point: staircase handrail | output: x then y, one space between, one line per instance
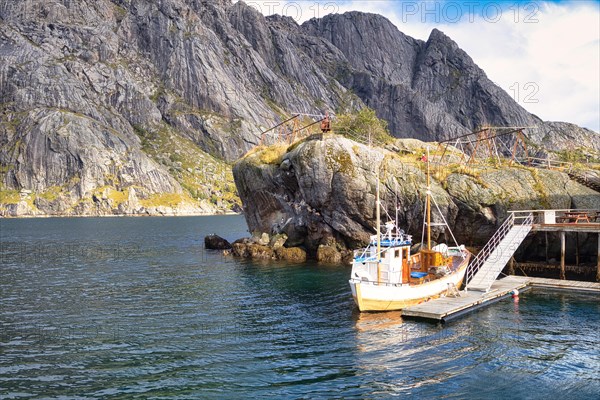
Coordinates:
484 253
516 240
493 243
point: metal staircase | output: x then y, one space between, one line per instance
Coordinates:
492 259
588 180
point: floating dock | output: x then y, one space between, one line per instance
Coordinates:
448 308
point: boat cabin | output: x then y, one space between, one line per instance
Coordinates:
387 262
390 261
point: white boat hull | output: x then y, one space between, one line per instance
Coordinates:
370 296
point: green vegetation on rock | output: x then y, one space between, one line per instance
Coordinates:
200 174
165 200
363 123
270 155
51 194
9 196
578 155
117 197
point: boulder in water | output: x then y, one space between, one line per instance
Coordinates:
216 242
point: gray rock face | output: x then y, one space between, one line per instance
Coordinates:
326 192
86 85
216 242
427 90
323 192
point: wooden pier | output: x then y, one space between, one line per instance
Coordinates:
483 289
572 286
568 221
447 308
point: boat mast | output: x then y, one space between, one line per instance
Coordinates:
377 212
428 204
396 194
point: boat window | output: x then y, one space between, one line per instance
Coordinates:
397 253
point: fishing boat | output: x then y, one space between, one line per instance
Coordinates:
386 276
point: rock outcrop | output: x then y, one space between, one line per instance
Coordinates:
216 242
322 193
267 247
136 107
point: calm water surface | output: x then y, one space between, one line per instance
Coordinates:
136 308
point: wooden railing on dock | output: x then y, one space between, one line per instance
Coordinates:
564 216
564 221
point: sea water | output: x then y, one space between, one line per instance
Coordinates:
116 308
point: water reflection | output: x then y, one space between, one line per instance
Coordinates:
369 322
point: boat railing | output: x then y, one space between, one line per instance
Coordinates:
385 242
400 239
364 256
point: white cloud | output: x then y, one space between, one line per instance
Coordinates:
545 55
550 67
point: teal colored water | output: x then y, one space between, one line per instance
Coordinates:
136 308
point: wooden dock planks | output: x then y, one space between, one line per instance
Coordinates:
446 308
563 227
576 286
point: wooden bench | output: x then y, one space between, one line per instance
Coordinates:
577 217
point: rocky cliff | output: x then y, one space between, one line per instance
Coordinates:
137 106
322 192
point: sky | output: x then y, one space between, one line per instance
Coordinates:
545 54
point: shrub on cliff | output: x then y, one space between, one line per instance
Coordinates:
365 124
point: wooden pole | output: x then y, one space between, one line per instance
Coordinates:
546 235
280 124
562 255
598 267
577 248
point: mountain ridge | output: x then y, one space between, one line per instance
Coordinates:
106 106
